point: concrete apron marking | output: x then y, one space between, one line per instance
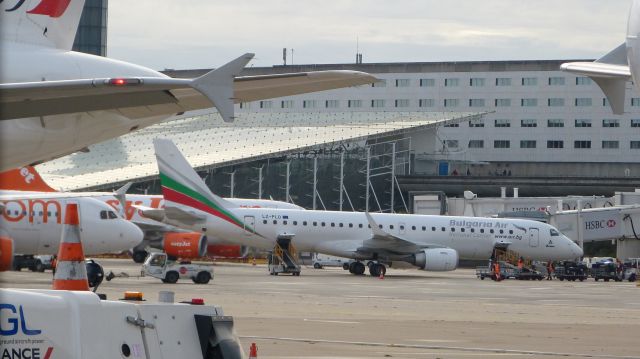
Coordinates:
330 321
440 347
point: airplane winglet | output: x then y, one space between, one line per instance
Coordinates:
121 195
377 232
217 85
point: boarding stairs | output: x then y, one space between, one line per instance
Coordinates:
284 258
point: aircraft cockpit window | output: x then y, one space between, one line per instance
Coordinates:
554 233
112 215
104 215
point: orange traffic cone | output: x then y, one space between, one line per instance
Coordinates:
254 261
71 273
253 351
381 274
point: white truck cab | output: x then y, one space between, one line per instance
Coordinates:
158 265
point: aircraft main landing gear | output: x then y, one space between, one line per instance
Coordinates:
376 268
356 268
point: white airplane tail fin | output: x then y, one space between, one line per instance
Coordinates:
182 185
50 23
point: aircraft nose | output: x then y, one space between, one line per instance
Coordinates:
575 248
132 235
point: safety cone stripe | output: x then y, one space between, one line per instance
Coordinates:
71 215
70 252
71 284
71 270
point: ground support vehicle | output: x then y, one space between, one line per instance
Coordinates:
323 260
571 271
528 274
507 271
78 325
158 265
606 272
33 263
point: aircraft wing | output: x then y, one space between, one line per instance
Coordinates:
138 97
170 215
611 72
382 241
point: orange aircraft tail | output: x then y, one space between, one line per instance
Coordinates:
24 179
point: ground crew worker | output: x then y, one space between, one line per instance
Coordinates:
54 263
520 263
549 270
496 271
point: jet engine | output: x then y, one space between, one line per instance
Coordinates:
436 259
6 252
184 244
227 251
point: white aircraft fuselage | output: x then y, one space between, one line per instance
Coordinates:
340 233
34 220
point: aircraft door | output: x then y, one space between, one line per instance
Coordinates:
534 237
402 228
249 225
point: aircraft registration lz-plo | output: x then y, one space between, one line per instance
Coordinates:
54 101
427 242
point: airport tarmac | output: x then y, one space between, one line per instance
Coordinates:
329 313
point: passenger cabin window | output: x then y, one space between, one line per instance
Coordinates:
295 223
380 226
315 224
322 224
304 223
402 228
511 231
340 225
491 231
264 221
413 228
333 224
443 229
481 230
275 221
390 226
350 225
554 233
462 230
453 229
284 222
360 225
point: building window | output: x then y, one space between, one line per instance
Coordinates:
583 101
427 82
610 144
635 101
503 81
402 82
455 124
266 104
581 144
555 123
529 123
555 144
605 102
610 123
451 82
556 81
452 143
555 102
402 103
635 145
245 105
354 103
451 102
501 144
331 103
426 102
476 143
502 123
286 104
476 123
583 123
527 144
529 81
503 102
309 104
583 81
476 102
377 103
476 82
529 102
381 83
635 123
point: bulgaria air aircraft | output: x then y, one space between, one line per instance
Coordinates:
612 71
428 242
54 101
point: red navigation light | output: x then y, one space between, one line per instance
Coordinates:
124 82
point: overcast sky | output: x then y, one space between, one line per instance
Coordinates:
182 34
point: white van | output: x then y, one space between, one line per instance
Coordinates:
324 260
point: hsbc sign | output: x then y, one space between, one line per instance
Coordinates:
601 225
